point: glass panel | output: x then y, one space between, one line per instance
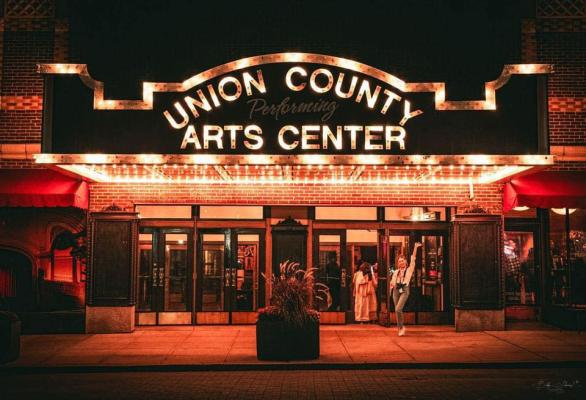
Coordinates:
415 214
213 268
145 282
329 273
430 277
246 267
521 275
398 246
162 211
362 246
346 213
578 256
176 267
230 212
558 250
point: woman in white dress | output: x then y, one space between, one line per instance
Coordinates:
361 302
372 285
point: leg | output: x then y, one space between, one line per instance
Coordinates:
402 299
398 312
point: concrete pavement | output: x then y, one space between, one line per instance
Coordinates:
349 345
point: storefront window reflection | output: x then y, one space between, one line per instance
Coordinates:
578 256
330 270
567 247
521 274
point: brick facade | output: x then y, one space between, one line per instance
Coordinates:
29 35
559 38
126 195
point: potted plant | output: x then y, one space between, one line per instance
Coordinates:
289 328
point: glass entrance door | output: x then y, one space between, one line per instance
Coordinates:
428 302
331 262
165 283
231 287
522 270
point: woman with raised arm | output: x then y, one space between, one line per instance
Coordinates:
400 285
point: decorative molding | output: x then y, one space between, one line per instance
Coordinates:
438 88
289 221
560 9
113 208
29 8
301 159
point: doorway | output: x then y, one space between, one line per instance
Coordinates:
165 276
429 302
522 270
16 285
231 286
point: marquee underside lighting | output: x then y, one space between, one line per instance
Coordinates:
303 169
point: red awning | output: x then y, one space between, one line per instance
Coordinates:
547 189
41 188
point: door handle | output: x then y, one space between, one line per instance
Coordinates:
155 276
233 277
161 277
227 275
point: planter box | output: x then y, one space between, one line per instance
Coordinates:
276 341
9 337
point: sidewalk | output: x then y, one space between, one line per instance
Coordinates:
341 347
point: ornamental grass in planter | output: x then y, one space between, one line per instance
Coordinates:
289 328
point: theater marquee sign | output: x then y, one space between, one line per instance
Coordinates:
288 104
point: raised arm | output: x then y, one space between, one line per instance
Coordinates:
414 255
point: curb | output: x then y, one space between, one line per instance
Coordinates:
24 370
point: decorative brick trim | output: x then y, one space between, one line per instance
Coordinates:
560 8
29 8
569 153
19 151
567 104
28 25
561 25
13 103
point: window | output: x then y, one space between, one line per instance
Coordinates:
163 211
346 213
230 212
521 271
567 250
415 214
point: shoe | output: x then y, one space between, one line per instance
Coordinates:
402 331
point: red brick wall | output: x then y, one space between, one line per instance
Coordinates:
559 38
126 195
29 34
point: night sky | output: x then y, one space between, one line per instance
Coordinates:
465 42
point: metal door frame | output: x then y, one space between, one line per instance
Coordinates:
447 313
230 258
158 263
